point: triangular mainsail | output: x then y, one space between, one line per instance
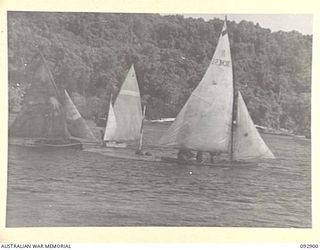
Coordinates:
248 143
127 109
204 123
42 114
77 126
111 125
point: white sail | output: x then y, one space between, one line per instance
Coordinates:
110 126
204 123
248 144
77 126
127 109
72 112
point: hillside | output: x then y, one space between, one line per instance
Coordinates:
91 53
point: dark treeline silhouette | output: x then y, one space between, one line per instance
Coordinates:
91 53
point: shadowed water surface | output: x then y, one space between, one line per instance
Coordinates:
77 188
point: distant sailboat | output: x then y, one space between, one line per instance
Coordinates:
111 124
205 123
48 116
125 117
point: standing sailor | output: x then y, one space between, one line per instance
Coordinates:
199 156
185 155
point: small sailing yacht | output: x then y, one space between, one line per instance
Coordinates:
205 123
48 117
125 117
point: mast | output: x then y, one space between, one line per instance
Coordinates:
141 130
59 97
233 101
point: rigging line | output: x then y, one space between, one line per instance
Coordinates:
50 75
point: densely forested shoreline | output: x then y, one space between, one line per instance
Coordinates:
91 53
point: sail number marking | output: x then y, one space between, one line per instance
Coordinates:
220 62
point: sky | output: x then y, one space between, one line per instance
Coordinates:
275 22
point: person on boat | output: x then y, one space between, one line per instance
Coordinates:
139 152
214 156
102 136
199 156
185 155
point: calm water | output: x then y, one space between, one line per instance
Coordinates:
76 188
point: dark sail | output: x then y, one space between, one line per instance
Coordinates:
42 114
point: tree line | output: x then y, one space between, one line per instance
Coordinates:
90 54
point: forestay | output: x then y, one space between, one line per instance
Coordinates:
127 109
204 123
248 144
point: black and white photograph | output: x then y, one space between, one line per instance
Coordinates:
159 120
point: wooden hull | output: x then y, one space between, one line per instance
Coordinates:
123 153
129 154
70 144
60 146
216 164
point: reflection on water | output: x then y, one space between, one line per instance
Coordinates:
76 188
